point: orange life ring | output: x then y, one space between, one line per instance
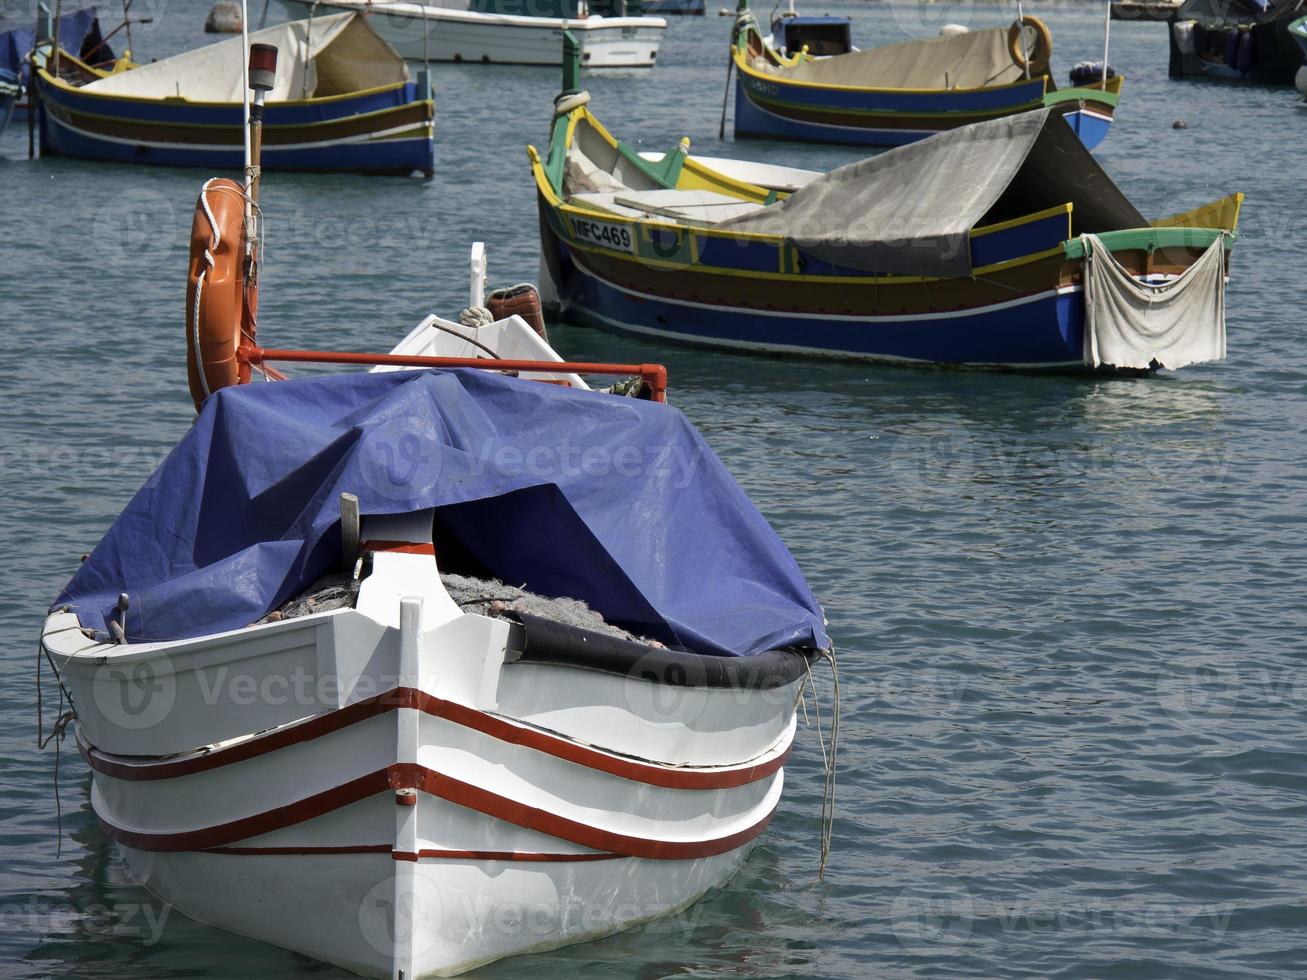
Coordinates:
1039 54
220 310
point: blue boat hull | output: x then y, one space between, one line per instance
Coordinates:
1044 331
766 109
389 131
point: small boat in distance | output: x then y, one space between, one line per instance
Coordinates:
1298 31
1236 40
1001 244
78 31
507 32
344 103
900 93
678 8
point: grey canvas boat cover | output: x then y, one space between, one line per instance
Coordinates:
972 60
910 211
336 54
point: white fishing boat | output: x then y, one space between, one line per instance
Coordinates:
316 716
491 32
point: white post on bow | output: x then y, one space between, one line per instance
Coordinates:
1107 34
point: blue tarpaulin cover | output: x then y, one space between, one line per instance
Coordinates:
614 501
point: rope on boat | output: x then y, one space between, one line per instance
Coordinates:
57 731
475 316
827 757
566 103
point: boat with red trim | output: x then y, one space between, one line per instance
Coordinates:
316 715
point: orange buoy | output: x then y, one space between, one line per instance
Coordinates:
522 300
1038 55
220 310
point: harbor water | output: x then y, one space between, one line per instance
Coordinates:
1070 612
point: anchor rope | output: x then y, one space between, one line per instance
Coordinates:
828 757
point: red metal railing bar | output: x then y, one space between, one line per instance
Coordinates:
655 375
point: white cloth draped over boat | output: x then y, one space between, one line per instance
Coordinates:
911 210
1131 324
975 59
330 55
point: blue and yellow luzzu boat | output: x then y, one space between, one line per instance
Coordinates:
900 93
343 102
972 248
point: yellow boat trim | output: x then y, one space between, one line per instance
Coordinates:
49 79
745 67
278 126
1223 214
679 266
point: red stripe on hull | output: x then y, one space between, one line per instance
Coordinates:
422 855
411 776
492 725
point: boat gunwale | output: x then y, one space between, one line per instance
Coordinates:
179 101
742 64
560 143
386 7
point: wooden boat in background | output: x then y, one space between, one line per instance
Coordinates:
966 249
506 32
900 93
344 103
78 31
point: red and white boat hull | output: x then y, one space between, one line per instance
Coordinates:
447 800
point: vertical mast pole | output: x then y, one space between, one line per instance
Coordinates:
1107 33
245 98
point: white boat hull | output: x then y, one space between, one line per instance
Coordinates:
398 789
433 33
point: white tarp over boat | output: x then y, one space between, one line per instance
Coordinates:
329 55
910 210
972 60
1131 324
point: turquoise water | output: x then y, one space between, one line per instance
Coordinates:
1070 612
